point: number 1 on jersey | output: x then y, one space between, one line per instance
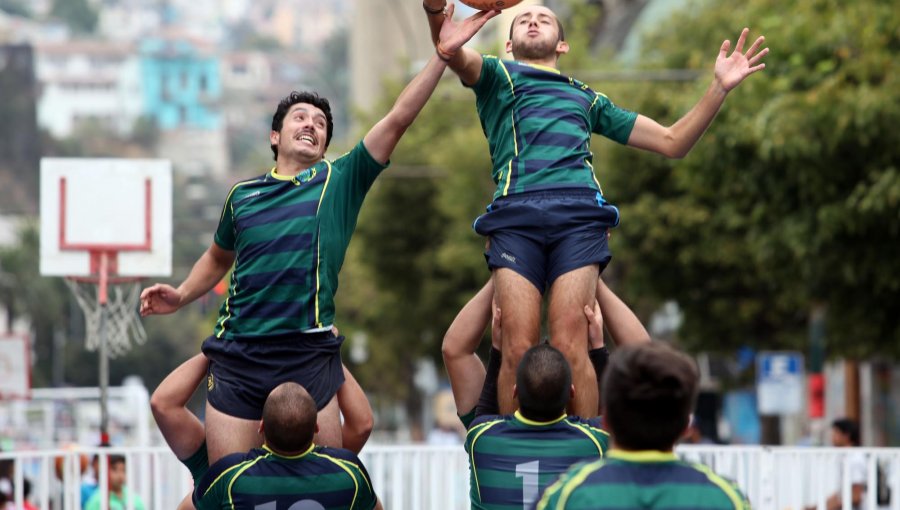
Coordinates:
528 472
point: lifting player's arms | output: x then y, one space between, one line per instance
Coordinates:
539 123
286 232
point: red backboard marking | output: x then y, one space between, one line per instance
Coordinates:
65 245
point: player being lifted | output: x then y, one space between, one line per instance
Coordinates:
546 227
286 233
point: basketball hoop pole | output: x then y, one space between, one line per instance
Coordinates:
102 299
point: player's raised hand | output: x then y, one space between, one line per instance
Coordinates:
455 34
595 325
160 299
731 70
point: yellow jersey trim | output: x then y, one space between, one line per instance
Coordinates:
484 428
342 466
304 454
278 177
526 421
584 430
643 455
236 475
541 67
319 241
722 484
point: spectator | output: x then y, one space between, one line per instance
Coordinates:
118 493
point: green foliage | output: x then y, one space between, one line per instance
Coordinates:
789 201
26 293
792 196
78 14
414 260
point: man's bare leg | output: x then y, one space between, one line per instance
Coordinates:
569 295
329 421
227 434
521 323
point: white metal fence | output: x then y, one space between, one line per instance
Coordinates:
419 477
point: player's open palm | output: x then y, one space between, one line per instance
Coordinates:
455 34
732 69
160 299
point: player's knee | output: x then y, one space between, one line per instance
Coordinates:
571 348
512 354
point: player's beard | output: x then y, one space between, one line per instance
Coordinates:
534 49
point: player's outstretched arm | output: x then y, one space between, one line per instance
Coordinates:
209 269
181 429
383 137
623 325
730 70
467 62
464 368
358 419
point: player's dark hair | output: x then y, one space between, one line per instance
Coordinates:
559 26
543 381
116 459
849 428
301 97
289 418
648 394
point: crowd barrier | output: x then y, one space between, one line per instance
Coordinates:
420 477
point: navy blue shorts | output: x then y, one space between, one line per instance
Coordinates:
241 374
544 234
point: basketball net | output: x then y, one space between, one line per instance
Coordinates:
123 324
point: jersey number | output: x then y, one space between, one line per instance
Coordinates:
528 472
303 504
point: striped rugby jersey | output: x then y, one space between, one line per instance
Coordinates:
511 458
538 123
290 235
643 479
321 477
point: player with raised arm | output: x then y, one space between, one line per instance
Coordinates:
546 227
649 391
286 234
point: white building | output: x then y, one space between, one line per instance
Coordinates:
87 83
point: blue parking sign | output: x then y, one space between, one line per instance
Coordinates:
780 382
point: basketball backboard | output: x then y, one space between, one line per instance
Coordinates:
15 365
119 206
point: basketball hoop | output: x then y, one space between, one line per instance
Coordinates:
105 224
123 325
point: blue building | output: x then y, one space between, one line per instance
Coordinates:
181 85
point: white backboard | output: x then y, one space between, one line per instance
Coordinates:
15 365
119 205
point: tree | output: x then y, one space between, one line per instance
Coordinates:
414 260
791 199
44 301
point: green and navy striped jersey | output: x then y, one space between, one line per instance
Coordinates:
290 235
511 458
644 479
321 477
538 123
